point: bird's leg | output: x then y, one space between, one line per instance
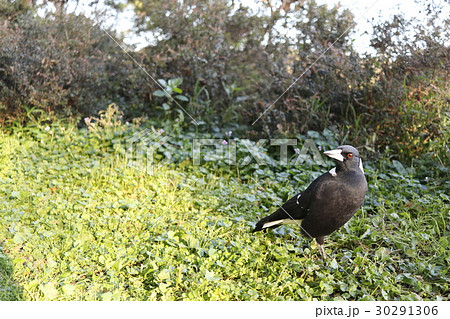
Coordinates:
320 241
322 251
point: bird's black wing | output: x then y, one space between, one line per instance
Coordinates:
296 208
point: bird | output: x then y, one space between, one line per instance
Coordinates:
328 202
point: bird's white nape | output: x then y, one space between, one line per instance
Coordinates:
333 171
361 166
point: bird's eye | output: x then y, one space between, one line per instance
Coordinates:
349 155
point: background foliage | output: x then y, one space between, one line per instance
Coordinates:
235 62
63 64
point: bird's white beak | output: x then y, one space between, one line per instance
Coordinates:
336 154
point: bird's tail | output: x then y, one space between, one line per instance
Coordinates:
280 217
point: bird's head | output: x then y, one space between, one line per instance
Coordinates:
346 158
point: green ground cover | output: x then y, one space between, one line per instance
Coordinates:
79 221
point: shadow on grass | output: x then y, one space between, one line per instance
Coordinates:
9 289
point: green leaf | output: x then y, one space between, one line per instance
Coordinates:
19 238
162 82
49 290
15 194
160 93
107 296
51 263
399 167
382 253
181 98
69 289
164 274
327 287
175 82
334 264
253 294
177 90
444 242
211 276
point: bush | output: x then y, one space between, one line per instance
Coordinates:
419 124
410 96
296 61
214 47
62 64
243 62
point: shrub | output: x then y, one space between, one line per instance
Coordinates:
295 60
410 94
63 64
244 62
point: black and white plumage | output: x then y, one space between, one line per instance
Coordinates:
328 202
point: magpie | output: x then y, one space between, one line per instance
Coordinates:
328 202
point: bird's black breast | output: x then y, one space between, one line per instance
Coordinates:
335 200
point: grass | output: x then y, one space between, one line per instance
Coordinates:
81 222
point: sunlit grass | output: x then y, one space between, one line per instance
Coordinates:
79 222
